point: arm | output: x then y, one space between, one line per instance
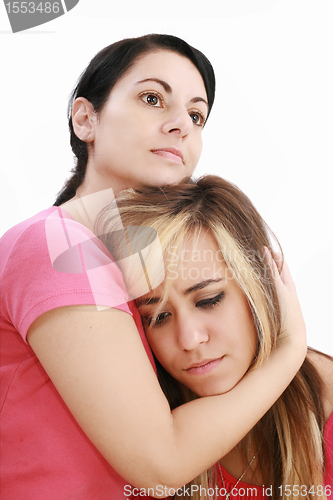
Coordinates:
99 366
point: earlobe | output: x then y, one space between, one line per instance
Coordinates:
84 119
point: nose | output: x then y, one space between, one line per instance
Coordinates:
190 333
178 122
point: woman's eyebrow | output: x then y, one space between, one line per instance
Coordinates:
199 99
201 285
164 84
168 89
147 300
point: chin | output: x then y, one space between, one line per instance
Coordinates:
164 178
213 390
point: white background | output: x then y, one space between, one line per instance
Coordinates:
270 131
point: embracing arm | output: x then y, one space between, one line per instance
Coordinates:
98 364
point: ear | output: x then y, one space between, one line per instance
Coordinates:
84 119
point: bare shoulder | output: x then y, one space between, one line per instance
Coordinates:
324 366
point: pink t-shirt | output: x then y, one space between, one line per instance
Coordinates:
47 262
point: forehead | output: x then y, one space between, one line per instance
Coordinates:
169 66
197 246
198 260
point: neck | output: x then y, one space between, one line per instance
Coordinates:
97 190
236 464
84 208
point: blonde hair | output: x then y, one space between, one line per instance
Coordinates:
289 438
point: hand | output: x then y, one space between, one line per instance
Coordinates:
292 321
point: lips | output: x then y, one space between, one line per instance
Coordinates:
172 154
203 366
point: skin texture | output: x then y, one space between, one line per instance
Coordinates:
198 324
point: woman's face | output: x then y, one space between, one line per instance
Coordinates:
149 131
204 336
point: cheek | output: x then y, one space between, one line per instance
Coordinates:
241 323
196 150
167 354
120 124
251 338
164 350
254 345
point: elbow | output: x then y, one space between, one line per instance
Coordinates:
158 480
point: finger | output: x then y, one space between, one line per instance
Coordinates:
278 258
286 275
272 263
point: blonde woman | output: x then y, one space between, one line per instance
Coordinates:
215 319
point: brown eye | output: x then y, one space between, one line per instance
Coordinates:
197 119
152 99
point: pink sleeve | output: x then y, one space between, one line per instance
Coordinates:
57 262
329 455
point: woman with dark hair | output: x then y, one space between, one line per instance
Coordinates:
103 73
81 405
217 317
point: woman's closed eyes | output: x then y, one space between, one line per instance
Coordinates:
162 317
